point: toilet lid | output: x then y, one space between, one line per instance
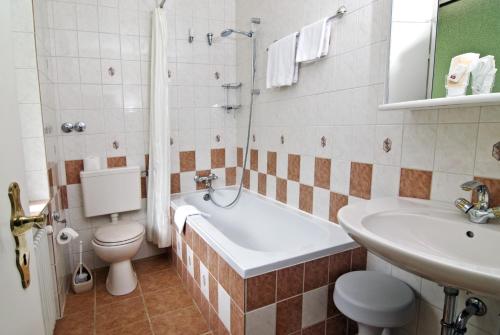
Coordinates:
119 232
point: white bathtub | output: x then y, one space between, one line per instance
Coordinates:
259 235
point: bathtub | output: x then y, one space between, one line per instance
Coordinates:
259 235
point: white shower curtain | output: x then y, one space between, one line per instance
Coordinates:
158 227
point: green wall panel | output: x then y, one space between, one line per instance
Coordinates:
465 26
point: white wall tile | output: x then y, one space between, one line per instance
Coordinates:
314 306
419 142
224 306
261 321
454 149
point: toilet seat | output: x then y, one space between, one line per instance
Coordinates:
118 234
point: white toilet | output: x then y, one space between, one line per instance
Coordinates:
376 301
112 191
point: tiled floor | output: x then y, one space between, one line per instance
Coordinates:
159 306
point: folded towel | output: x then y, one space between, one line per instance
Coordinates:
182 213
314 41
282 70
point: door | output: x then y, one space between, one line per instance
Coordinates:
20 309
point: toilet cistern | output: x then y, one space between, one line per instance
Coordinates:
480 212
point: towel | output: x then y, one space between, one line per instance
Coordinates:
282 70
314 41
483 75
181 215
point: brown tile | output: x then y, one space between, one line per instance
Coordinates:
254 159
337 201
136 328
237 320
144 188
213 292
332 309
358 261
104 298
63 193
218 158
114 162
339 264
120 314
262 187
289 315
360 184
202 250
239 157
213 321
290 281
188 235
494 189
415 184
187 321
224 274
316 273
81 323
271 163
232 282
230 176
202 173
187 161
77 303
306 198
73 169
336 325
293 167
175 183
281 190
246 179
322 171
196 266
159 280
204 307
261 290
317 329
237 289
213 262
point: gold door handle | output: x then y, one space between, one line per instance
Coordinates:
19 225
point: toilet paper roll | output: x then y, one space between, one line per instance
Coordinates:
66 235
91 163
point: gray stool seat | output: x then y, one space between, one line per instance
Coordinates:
374 299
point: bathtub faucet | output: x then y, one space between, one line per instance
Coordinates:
206 180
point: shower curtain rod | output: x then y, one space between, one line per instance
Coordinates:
162 3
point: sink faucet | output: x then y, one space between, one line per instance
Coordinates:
207 180
479 212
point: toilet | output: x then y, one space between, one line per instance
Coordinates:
376 301
110 192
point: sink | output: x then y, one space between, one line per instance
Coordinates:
429 238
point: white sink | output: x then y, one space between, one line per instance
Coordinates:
428 238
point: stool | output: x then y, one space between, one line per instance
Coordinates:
374 300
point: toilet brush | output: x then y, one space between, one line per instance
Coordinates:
81 276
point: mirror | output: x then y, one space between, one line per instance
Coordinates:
427 34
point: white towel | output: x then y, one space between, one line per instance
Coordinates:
314 41
282 70
181 215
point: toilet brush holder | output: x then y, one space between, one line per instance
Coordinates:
85 285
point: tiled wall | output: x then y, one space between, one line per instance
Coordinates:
87 38
291 300
29 100
320 144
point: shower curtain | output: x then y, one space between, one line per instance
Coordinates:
158 227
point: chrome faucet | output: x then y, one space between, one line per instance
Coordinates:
479 212
207 180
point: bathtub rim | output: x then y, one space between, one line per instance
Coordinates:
250 267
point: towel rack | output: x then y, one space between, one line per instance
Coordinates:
340 12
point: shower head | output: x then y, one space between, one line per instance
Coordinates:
227 32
